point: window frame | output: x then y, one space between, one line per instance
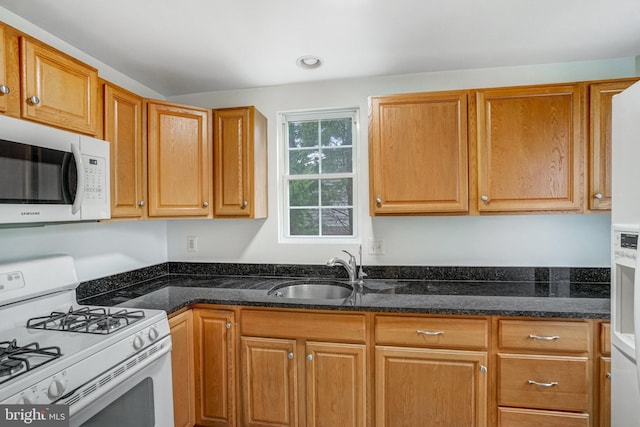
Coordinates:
284 118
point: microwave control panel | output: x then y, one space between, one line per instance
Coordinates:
94 178
625 245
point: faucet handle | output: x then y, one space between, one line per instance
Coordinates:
352 259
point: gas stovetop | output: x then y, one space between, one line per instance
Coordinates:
18 359
87 320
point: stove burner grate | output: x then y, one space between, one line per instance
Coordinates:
87 320
16 360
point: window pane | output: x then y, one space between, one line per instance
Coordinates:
337 192
303 162
303 134
304 222
337 222
336 160
303 192
336 132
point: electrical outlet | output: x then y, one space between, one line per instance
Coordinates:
192 244
376 246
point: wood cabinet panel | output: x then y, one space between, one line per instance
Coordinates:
418 151
9 72
600 97
335 327
269 382
529 148
445 387
544 335
179 160
183 369
432 332
215 367
123 129
240 158
605 338
336 382
604 387
544 382
65 89
510 417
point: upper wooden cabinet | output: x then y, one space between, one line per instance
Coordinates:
179 160
418 159
9 72
123 129
600 97
240 163
57 89
529 148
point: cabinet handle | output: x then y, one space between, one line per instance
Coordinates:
483 369
244 204
551 384
309 357
378 201
4 89
141 203
228 325
430 333
34 100
484 198
205 204
597 196
290 356
537 337
608 375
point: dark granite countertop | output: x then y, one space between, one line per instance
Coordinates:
533 298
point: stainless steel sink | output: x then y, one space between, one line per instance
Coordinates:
312 290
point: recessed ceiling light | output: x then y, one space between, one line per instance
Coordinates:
309 61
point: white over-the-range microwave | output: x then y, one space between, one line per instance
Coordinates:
51 175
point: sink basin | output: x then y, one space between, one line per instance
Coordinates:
312 290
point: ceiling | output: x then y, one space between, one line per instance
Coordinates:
179 47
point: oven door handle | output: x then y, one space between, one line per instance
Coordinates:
87 393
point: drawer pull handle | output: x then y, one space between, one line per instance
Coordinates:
551 384
538 337
430 333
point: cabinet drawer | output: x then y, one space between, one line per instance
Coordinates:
543 382
432 332
307 325
509 417
605 338
528 335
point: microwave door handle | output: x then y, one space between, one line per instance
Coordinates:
77 203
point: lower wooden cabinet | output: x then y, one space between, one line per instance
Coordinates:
182 369
215 350
446 387
509 417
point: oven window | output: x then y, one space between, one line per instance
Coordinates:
36 175
134 408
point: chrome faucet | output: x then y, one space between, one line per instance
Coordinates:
350 266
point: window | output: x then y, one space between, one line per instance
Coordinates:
319 194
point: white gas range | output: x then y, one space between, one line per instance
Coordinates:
99 361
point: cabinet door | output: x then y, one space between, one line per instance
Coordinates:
57 89
336 381
240 156
605 391
179 160
183 370
601 95
529 148
123 129
215 368
418 153
446 387
269 382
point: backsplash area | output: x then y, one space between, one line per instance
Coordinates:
559 281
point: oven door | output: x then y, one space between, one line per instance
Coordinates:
143 399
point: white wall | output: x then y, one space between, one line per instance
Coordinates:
513 240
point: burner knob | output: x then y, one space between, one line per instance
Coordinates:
153 334
138 342
24 400
55 390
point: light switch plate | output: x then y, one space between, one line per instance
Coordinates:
376 246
